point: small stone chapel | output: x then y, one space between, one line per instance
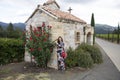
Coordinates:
72 29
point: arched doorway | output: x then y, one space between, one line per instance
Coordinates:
89 38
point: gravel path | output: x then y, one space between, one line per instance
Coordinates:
112 50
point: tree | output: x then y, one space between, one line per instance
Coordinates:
93 25
10 27
1 28
10 31
17 32
1 31
115 31
118 36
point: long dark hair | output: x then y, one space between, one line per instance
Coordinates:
58 40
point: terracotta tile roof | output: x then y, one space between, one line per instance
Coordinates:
63 15
58 13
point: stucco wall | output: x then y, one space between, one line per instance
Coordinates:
38 19
69 34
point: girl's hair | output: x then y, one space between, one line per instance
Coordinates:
58 40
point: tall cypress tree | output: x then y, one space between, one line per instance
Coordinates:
1 31
10 27
93 25
118 36
10 30
1 28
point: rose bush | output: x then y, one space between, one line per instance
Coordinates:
39 45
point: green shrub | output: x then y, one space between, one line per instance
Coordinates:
11 50
84 59
71 59
93 51
96 55
83 56
78 58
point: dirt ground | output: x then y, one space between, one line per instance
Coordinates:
19 71
26 71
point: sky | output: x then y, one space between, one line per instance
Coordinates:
105 11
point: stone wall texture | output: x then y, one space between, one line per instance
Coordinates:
59 28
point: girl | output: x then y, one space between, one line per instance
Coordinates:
60 49
60 45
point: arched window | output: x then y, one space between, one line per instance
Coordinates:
89 37
77 37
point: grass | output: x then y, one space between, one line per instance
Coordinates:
106 35
28 76
110 37
5 71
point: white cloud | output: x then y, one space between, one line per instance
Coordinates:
105 11
17 10
79 1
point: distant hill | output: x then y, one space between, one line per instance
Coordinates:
4 25
103 28
99 28
20 25
16 25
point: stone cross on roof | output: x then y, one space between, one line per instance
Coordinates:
69 9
